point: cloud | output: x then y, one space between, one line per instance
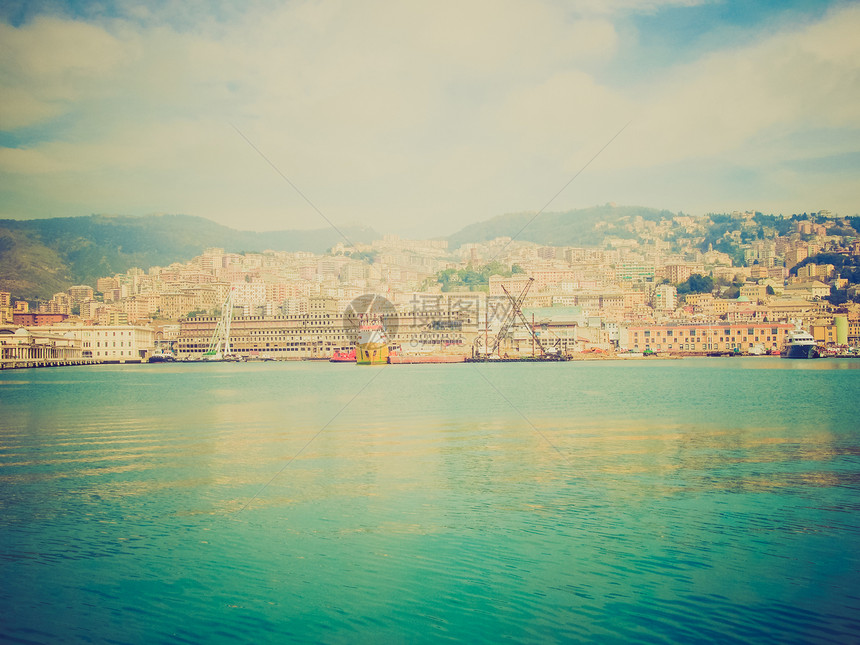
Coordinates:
743 100
416 117
49 65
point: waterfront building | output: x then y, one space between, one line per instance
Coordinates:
824 331
706 337
110 343
26 348
324 329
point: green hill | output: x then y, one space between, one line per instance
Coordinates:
41 257
570 228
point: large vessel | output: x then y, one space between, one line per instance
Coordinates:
800 344
372 348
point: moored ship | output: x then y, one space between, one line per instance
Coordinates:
372 348
162 356
800 344
343 356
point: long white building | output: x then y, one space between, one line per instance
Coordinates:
109 343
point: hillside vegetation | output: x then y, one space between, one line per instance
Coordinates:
582 227
41 257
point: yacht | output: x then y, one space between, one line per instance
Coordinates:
800 344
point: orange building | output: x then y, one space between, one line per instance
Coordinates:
705 338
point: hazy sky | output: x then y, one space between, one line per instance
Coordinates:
421 117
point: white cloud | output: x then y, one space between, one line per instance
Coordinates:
735 101
49 65
383 112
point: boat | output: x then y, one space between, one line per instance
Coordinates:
343 356
162 356
800 344
372 348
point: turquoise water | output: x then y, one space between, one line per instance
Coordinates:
701 500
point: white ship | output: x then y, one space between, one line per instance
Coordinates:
800 344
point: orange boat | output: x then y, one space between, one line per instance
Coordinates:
343 357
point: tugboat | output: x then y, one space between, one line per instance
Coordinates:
800 344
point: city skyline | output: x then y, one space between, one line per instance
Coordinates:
419 120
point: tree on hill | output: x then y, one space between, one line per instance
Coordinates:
847 266
696 283
473 279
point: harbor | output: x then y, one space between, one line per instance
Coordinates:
434 505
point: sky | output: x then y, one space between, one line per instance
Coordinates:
419 118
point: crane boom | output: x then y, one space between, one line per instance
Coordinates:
518 312
512 314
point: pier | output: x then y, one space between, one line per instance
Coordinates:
16 363
22 349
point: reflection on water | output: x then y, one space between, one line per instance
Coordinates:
676 501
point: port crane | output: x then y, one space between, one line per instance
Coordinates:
517 312
219 345
510 316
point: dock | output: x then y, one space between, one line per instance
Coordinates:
21 363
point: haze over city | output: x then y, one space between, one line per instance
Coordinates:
421 118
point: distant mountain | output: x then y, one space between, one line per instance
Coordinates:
570 228
41 257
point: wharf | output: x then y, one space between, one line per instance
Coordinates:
519 359
22 363
407 359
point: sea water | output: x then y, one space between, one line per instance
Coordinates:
698 500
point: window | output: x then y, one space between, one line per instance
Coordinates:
669 333
692 332
750 331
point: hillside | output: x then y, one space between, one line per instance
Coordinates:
28 268
570 228
41 257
